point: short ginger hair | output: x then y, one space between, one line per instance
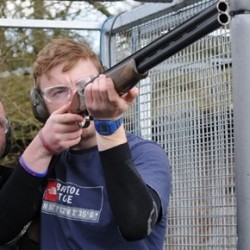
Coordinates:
62 50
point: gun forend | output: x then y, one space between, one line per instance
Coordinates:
125 76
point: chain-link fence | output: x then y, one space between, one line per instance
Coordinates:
185 104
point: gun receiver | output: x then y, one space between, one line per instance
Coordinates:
127 73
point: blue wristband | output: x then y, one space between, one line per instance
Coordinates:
29 170
107 127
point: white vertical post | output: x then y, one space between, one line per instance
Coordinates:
240 31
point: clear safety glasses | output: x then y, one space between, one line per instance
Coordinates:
60 94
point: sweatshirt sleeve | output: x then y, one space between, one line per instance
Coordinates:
128 192
20 199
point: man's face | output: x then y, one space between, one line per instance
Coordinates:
59 80
60 87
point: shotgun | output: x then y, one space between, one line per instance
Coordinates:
127 73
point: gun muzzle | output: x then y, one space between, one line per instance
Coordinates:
223 12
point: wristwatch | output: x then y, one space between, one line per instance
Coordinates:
107 127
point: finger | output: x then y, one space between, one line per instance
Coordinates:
62 110
65 111
69 143
69 118
70 128
130 96
102 88
113 96
62 115
88 97
96 94
93 98
74 135
63 143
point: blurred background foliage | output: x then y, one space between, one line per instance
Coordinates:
19 47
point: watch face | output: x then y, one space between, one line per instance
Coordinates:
107 127
104 127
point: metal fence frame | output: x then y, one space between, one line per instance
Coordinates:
218 217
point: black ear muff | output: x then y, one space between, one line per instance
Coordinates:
8 143
38 106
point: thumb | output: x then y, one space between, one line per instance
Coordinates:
130 96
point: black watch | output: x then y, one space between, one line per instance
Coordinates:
107 127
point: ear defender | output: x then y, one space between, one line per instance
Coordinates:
38 106
8 143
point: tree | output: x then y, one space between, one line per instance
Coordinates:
19 47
